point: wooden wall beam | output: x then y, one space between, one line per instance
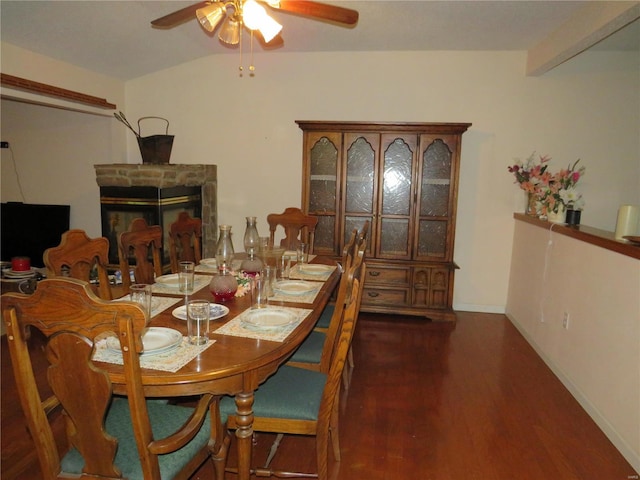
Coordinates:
51 91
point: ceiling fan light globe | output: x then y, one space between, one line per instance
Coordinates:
210 16
230 31
252 14
269 28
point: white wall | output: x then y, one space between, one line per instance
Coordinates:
588 108
53 148
598 356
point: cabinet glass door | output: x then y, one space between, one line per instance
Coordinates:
323 199
360 182
434 210
395 191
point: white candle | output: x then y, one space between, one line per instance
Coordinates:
627 223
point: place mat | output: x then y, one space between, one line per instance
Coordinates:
237 328
305 298
296 274
200 281
169 361
158 304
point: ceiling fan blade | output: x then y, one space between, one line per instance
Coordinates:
332 13
179 16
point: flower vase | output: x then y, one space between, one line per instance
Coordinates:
557 217
530 206
573 216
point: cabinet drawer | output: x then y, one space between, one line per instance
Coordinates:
385 296
387 275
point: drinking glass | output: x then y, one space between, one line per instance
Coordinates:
198 312
259 292
141 293
186 277
303 253
269 274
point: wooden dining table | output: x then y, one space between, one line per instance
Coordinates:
233 365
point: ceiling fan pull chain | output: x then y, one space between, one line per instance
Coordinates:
240 46
252 67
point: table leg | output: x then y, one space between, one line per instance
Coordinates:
244 433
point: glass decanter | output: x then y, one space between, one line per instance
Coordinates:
224 248
223 285
252 264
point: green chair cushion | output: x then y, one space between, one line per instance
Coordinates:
165 419
310 351
325 317
292 393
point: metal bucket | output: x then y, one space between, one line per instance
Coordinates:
155 149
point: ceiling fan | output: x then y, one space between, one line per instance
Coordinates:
234 14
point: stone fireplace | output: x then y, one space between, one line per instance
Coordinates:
159 192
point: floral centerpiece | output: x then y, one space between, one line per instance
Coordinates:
532 176
548 192
560 192
244 283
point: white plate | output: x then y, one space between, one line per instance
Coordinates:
293 287
10 273
268 318
171 280
314 269
209 262
216 311
154 340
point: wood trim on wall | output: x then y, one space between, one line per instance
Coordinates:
51 91
594 236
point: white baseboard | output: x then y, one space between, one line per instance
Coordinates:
466 307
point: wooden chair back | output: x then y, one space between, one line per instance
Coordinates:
77 256
144 242
298 228
185 241
352 273
357 245
72 319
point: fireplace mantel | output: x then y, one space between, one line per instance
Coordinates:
166 176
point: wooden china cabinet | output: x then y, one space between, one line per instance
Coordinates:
403 177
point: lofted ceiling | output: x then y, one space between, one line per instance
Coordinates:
115 37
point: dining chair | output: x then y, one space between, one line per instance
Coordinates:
77 256
298 228
107 436
185 240
144 242
302 402
348 253
316 351
355 247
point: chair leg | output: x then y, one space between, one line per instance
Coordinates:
348 369
322 453
274 449
334 431
220 440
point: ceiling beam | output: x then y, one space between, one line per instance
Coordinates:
588 26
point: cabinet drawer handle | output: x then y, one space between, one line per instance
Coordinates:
374 274
373 294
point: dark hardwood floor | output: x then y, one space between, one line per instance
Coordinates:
441 401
